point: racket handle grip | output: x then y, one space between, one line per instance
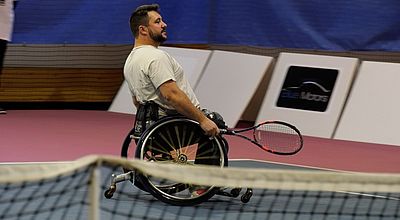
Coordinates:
225 131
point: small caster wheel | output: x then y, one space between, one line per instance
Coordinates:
235 192
246 196
109 193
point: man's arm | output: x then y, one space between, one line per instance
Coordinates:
179 100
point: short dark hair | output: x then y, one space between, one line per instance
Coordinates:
140 17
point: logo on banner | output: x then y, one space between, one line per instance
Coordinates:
307 88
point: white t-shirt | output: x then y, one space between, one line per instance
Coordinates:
6 19
147 68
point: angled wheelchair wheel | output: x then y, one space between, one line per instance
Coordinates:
128 147
179 140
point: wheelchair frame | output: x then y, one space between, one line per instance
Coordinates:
179 140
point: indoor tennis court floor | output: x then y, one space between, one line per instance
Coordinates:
51 136
65 135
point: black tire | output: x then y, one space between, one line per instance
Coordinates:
109 193
126 146
246 196
235 192
182 141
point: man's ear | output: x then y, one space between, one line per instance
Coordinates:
143 30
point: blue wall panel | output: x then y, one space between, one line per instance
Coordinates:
313 24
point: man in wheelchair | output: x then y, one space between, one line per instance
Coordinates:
157 82
153 75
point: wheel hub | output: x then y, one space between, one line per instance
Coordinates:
182 158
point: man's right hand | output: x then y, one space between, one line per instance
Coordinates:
209 127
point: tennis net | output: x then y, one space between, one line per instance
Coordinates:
75 191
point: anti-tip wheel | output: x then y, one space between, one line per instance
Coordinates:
109 193
246 196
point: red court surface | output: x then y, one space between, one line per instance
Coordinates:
64 135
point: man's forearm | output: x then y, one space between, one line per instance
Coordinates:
179 100
184 106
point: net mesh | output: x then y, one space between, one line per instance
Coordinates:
75 191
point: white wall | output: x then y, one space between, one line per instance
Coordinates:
229 82
372 113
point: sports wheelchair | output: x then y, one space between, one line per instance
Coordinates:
176 139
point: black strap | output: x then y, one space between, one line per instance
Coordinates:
146 113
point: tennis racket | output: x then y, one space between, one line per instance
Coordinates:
276 137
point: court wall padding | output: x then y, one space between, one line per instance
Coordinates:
309 91
229 82
372 112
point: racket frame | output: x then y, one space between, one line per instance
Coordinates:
235 132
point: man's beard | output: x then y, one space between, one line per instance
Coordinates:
157 37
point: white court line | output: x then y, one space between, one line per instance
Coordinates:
326 169
295 165
370 195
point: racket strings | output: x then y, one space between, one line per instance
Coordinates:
278 138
